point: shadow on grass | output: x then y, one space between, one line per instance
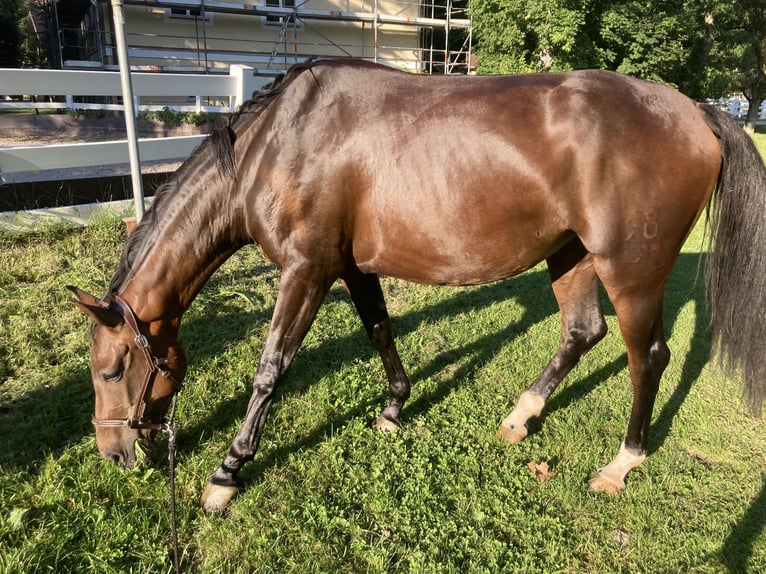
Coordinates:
51 419
532 292
538 305
737 549
683 287
46 421
60 415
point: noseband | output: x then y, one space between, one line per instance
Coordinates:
154 365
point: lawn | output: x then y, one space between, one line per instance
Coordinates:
326 493
760 142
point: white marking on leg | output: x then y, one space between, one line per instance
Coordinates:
216 498
611 478
384 425
514 427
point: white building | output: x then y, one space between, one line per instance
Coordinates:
268 35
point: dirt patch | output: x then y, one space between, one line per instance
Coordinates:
31 129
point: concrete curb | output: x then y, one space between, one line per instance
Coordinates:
18 222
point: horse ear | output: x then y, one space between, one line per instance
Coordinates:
92 307
83 296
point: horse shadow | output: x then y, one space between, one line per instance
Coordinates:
355 346
737 549
685 284
70 401
532 292
46 421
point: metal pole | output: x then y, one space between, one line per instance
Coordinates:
127 100
446 37
375 33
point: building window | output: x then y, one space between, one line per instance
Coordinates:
187 14
273 20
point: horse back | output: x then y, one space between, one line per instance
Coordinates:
469 179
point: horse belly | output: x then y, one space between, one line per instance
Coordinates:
421 255
484 205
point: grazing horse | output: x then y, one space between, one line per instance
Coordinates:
346 170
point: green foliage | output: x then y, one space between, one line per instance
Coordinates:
648 41
653 41
737 58
83 113
174 118
326 494
11 15
516 36
704 48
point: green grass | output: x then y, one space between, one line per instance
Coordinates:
760 142
325 493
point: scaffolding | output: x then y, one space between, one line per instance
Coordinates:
208 36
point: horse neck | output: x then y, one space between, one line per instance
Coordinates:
194 231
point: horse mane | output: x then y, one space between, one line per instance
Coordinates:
221 144
261 99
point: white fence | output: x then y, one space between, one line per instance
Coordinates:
49 85
738 107
17 162
72 85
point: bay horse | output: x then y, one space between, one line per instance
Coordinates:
346 170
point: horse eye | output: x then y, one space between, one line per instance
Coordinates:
111 377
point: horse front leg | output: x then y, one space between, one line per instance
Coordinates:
365 292
299 298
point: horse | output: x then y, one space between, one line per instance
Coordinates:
348 170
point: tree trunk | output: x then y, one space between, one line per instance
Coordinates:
754 102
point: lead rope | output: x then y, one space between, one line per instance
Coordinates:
171 430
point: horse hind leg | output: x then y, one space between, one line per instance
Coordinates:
639 313
575 286
365 292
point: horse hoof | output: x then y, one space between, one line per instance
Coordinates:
512 434
216 498
601 483
384 425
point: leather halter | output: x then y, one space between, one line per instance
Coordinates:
154 365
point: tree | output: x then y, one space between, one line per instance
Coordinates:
10 33
737 60
660 41
649 40
517 36
706 48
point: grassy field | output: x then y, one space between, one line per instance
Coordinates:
760 142
325 493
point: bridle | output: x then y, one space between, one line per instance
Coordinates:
154 366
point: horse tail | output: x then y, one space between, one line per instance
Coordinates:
735 271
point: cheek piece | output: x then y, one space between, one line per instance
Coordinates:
154 366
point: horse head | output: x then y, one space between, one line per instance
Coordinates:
136 369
